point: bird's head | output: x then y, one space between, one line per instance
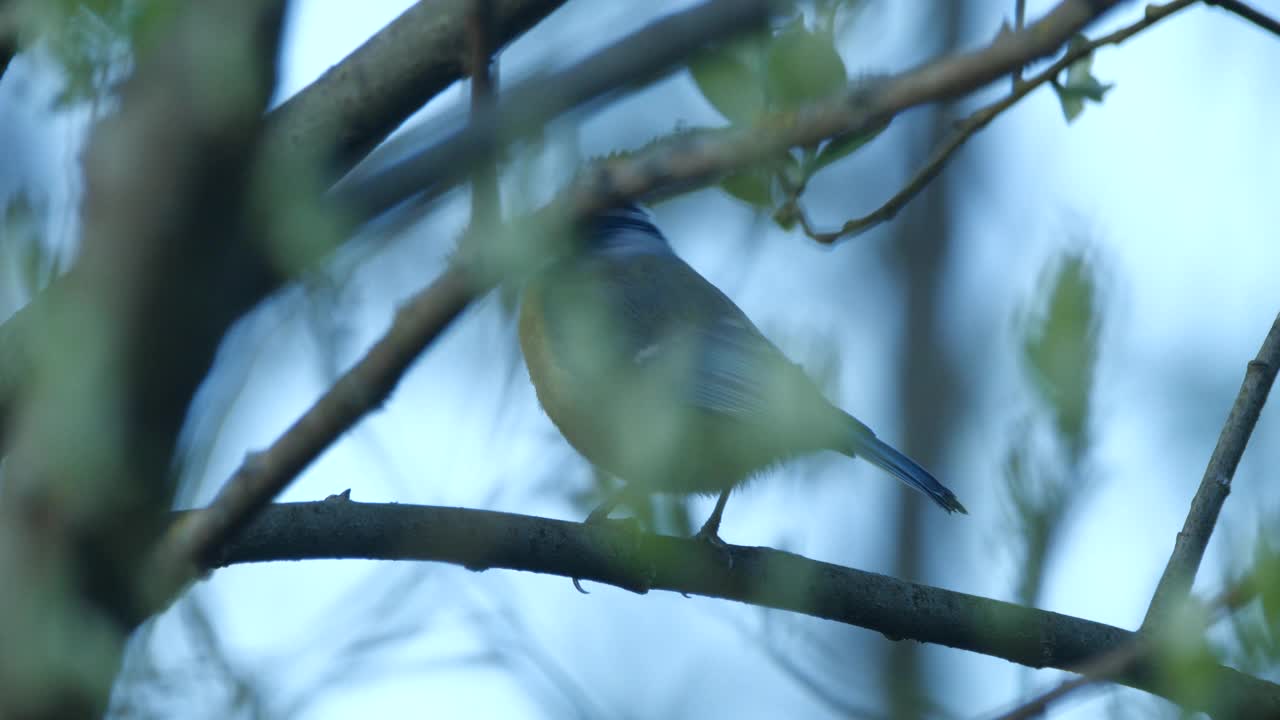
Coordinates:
624 230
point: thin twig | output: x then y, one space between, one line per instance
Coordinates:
1175 585
1120 660
1019 20
1188 549
485 209
1104 667
1244 10
975 122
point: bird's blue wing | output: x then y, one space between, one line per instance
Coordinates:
664 307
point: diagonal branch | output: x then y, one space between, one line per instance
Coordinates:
977 121
616 553
1188 549
1108 665
1248 12
866 104
444 154
414 58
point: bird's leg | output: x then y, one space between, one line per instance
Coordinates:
604 508
626 493
710 531
601 513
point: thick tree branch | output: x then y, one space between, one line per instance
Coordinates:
1189 547
361 100
618 554
340 116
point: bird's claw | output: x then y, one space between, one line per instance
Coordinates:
709 536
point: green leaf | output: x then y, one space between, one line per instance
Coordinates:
1061 348
1072 105
754 187
1080 84
844 146
1266 580
728 82
803 66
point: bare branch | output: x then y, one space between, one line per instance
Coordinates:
616 553
444 154
1108 665
1188 549
1248 12
264 474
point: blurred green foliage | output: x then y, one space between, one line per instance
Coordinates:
93 40
1080 84
1059 350
24 259
777 72
1255 632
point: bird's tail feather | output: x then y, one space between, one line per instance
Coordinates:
864 443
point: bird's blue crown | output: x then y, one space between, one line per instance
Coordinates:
625 229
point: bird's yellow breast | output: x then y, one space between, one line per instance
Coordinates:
552 383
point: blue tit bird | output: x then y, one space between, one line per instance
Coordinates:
656 377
